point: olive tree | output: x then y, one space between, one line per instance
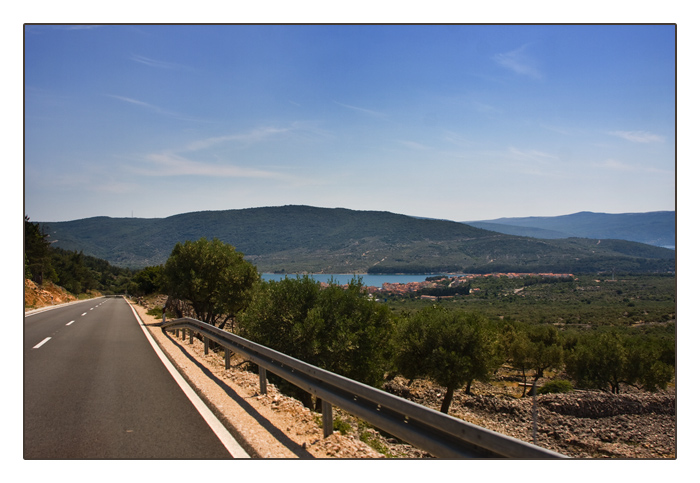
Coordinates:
598 361
535 348
277 317
212 276
335 328
607 359
451 348
352 333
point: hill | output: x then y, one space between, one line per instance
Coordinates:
656 228
303 238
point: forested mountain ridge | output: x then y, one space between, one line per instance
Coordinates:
305 238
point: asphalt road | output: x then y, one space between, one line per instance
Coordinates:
94 388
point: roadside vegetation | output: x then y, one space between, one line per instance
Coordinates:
607 332
585 332
77 273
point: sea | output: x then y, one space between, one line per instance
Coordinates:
343 278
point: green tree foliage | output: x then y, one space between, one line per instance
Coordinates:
609 358
556 386
212 276
598 361
74 271
585 299
79 273
148 280
27 271
334 328
37 253
534 348
353 332
278 314
450 348
548 352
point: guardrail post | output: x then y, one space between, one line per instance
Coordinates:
191 334
206 346
327 418
183 333
227 358
262 372
534 412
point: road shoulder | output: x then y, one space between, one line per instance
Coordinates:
267 426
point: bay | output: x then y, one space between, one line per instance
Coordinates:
344 278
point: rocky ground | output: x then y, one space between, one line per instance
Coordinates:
36 296
582 424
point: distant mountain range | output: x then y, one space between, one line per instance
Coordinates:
656 228
297 239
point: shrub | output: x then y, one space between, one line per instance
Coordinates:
555 387
343 426
155 312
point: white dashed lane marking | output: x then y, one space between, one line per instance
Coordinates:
42 343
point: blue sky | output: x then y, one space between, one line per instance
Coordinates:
463 122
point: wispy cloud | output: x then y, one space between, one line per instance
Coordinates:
361 109
532 154
135 101
40 29
252 136
195 158
533 162
157 63
638 136
413 145
170 164
93 178
564 130
154 108
77 27
519 62
114 187
485 108
457 139
615 165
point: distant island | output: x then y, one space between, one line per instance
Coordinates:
297 239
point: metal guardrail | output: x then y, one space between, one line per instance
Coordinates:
439 434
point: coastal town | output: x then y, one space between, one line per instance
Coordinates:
451 282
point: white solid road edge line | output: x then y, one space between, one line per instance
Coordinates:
221 432
29 313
